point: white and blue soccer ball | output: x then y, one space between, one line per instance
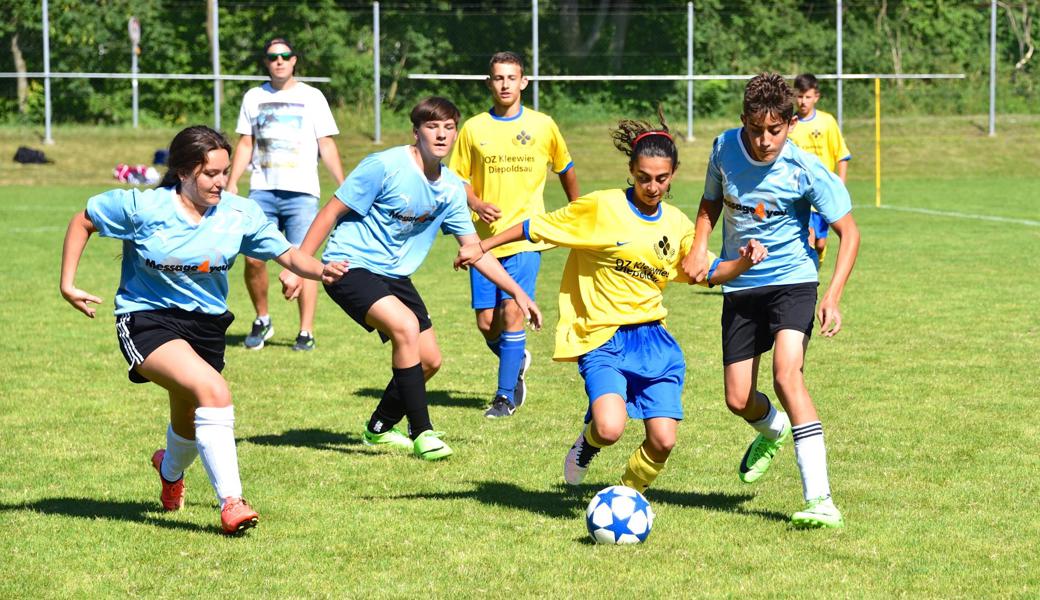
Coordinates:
619 515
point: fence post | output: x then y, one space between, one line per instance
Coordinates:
376 100
689 71
215 56
47 139
534 47
993 67
838 51
134 27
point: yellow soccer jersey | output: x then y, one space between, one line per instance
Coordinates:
618 266
505 160
820 135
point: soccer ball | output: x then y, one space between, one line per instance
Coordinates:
619 515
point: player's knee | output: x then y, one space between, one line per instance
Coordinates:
213 392
737 403
431 363
661 443
609 432
486 322
788 380
404 332
511 313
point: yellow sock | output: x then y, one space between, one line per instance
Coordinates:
590 437
823 253
641 471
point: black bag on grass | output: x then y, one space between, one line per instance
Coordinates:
29 156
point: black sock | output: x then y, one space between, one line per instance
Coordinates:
411 387
390 410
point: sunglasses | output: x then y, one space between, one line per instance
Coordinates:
273 56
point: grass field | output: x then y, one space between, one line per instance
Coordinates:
929 399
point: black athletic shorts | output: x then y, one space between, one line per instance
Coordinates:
359 289
751 318
140 333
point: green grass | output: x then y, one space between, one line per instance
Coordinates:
928 398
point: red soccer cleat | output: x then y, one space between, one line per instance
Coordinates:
237 515
172 496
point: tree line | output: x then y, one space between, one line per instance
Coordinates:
334 39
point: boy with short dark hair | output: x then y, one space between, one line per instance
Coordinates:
764 188
384 219
502 156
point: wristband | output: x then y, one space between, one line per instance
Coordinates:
711 272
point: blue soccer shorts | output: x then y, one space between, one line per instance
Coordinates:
522 267
641 363
819 225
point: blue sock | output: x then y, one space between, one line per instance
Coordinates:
494 345
511 358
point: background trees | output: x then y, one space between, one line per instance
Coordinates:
577 37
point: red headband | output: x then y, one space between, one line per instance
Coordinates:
649 133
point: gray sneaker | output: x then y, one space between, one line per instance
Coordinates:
500 407
259 334
304 342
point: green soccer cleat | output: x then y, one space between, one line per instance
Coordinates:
818 512
392 437
428 446
760 455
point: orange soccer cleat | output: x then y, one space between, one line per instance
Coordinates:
172 496
237 515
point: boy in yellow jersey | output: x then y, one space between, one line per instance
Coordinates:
626 245
817 132
502 156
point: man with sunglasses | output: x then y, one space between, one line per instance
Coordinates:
285 125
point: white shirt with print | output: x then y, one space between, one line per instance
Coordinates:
286 126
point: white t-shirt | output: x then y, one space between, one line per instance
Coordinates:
286 126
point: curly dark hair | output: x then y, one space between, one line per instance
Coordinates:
629 137
768 94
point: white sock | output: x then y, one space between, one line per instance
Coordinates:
265 319
773 424
180 453
812 459
215 437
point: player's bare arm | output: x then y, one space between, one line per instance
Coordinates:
330 156
569 181
695 264
243 154
79 231
828 312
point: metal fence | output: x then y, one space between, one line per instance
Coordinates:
690 76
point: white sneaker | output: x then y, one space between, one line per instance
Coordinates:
578 459
520 392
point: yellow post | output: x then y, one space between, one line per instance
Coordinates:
877 142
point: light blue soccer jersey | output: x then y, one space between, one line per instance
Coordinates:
171 262
771 202
395 213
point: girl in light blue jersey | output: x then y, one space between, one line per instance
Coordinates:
764 187
179 241
384 219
